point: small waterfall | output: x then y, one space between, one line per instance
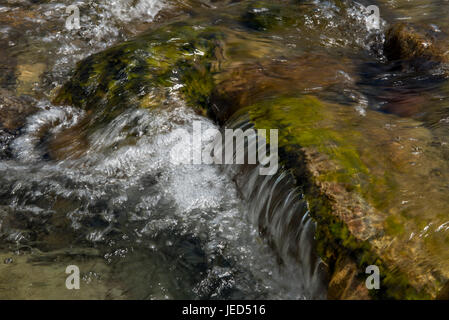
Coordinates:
276 206
184 230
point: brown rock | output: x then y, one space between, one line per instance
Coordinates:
404 42
14 110
244 84
345 285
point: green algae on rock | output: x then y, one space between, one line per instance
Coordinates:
175 60
140 72
362 180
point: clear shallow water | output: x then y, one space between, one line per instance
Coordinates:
35 40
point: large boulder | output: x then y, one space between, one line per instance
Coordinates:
376 184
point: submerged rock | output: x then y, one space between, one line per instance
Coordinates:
263 15
41 275
244 84
14 110
405 42
29 76
13 113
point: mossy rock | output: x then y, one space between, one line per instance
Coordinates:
163 66
182 57
361 179
140 72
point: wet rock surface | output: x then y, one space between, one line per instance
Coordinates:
14 110
404 42
357 188
244 84
13 113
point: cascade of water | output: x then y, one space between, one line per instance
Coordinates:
276 206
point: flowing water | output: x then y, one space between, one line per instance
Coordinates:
138 225
164 230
